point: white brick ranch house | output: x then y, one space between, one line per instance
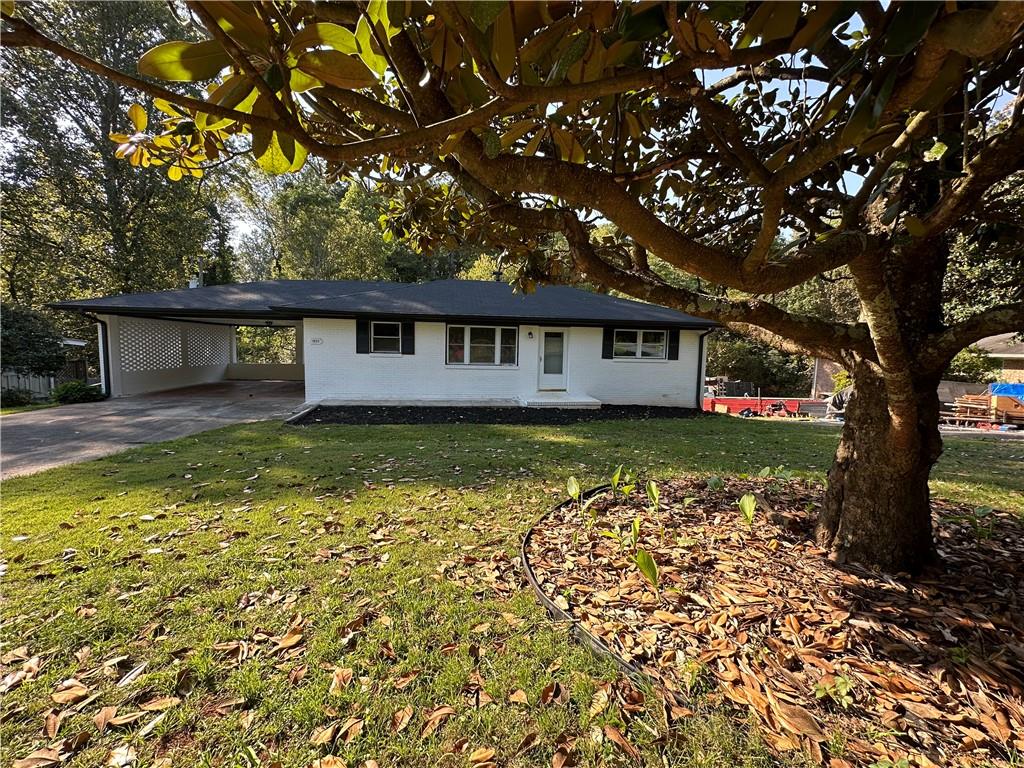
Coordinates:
447 342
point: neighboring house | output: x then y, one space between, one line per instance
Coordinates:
1008 349
75 369
456 342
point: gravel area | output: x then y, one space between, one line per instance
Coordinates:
426 414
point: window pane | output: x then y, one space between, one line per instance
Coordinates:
456 344
508 346
481 345
385 337
625 344
385 345
553 344
653 344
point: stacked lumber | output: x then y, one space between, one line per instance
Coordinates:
984 408
1008 409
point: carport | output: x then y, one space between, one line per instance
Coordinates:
152 342
147 354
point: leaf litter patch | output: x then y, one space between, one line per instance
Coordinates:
849 666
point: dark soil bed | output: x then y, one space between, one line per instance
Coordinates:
429 414
850 667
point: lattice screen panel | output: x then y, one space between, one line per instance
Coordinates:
209 345
150 345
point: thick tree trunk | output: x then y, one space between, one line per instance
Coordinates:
876 510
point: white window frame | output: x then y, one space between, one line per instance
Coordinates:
466 329
640 343
373 336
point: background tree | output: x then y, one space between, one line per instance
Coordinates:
31 345
77 221
876 135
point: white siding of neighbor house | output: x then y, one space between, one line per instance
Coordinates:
335 372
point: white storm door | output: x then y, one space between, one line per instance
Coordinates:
554 350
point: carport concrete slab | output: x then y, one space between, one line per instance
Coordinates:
37 440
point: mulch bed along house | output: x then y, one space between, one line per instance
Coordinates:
424 414
851 667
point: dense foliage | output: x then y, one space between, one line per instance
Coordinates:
29 343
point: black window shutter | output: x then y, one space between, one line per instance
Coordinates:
607 343
673 344
362 337
408 337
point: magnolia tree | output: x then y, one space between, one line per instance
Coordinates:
733 150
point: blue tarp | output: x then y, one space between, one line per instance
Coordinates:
1012 390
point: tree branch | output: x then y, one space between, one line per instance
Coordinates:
942 347
23 35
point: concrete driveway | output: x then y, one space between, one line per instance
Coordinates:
37 440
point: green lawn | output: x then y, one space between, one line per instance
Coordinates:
26 408
386 540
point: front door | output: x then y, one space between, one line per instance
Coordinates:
554 349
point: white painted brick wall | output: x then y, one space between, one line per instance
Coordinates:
335 372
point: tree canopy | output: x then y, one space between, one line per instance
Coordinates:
866 137
31 345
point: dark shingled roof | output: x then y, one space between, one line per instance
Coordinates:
437 300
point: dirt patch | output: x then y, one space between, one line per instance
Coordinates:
428 414
852 667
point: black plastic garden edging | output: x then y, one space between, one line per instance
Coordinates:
596 645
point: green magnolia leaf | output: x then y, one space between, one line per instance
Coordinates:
276 152
573 53
299 81
237 93
516 132
324 33
364 36
241 24
483 12
179 61
645 25
337 68
274 77
491 142
908 27
936 152
503 46
647 567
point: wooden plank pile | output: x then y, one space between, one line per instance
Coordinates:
976 410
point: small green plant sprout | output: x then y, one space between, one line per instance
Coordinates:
653 495
837 688
688 501
980 519
960 655
572 485
616 479
575 492
647 567
885 762
715 483
635 531
747 504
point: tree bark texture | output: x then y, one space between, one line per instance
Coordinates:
877 507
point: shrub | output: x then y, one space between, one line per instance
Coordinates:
76 392
12 398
